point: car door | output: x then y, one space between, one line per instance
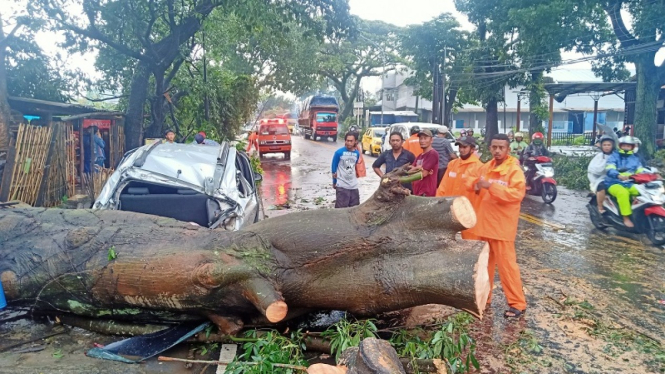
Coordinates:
247 187
367 140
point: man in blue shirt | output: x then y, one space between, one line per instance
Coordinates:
345 181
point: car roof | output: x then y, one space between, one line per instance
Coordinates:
425 125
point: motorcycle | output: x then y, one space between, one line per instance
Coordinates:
541 180
648 212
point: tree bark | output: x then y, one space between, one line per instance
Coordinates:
157 106
392 252
646 104
492 120
137 98
5 110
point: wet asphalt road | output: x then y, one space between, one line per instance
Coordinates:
562 257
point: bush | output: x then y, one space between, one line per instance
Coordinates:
571 171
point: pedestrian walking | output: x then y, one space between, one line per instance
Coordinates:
345 181
446 153
501 186
427 163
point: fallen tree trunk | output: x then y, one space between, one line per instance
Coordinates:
392 252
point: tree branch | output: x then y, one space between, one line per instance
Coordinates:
613 11
5 41
105 99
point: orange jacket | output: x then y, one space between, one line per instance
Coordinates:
412 145
499 205
457 173
252 140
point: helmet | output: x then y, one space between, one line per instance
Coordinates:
519 134
628 140
537 135
606 138
414 130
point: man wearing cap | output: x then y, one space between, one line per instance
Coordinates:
427 163
442 146
200 138
459 170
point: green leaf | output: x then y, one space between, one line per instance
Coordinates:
112 254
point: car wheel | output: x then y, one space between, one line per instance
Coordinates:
287 155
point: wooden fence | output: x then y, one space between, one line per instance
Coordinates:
30 152
41 165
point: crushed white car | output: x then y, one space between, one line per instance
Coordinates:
213 187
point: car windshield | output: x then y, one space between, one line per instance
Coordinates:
274 130
379 133
326 117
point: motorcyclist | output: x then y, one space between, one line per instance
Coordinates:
518 145
596 171
535 149
412 144
620 166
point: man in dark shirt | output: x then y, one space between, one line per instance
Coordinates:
428 164
446 153
394 158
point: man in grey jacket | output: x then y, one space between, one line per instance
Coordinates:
445 150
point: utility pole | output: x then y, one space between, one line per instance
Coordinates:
443 87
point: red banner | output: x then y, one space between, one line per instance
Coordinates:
102 124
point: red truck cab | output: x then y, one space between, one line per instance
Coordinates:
319 117
274 137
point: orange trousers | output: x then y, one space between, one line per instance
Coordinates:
502 253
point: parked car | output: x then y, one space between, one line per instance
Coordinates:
372 139
405 128
210 186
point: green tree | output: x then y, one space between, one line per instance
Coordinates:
345 60
424 48
14 24
158 35
638 43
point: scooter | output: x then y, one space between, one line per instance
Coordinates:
542 180
648 212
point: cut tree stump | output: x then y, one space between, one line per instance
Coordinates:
394 251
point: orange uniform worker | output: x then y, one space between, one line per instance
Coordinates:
501 187
412 144
459 170
252 140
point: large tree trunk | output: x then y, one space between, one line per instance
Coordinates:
138 93
536 107
5 110
646 104
389 253
157 106
492 120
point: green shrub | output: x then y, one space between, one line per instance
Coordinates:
264 350
571 171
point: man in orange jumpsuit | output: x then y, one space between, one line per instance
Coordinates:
459 170
501 186
252 141
412 144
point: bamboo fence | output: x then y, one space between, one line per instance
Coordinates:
59 169
94 182
32 145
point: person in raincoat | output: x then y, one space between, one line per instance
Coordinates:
501 186
459 170
596 171
620 166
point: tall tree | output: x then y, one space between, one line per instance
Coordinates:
6 38
638 42
346 60
436 46
157 34
492 66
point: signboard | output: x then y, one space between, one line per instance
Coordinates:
358 104
102 124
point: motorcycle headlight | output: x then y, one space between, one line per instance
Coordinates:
549 173
658 198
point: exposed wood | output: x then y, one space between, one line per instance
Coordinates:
392 252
